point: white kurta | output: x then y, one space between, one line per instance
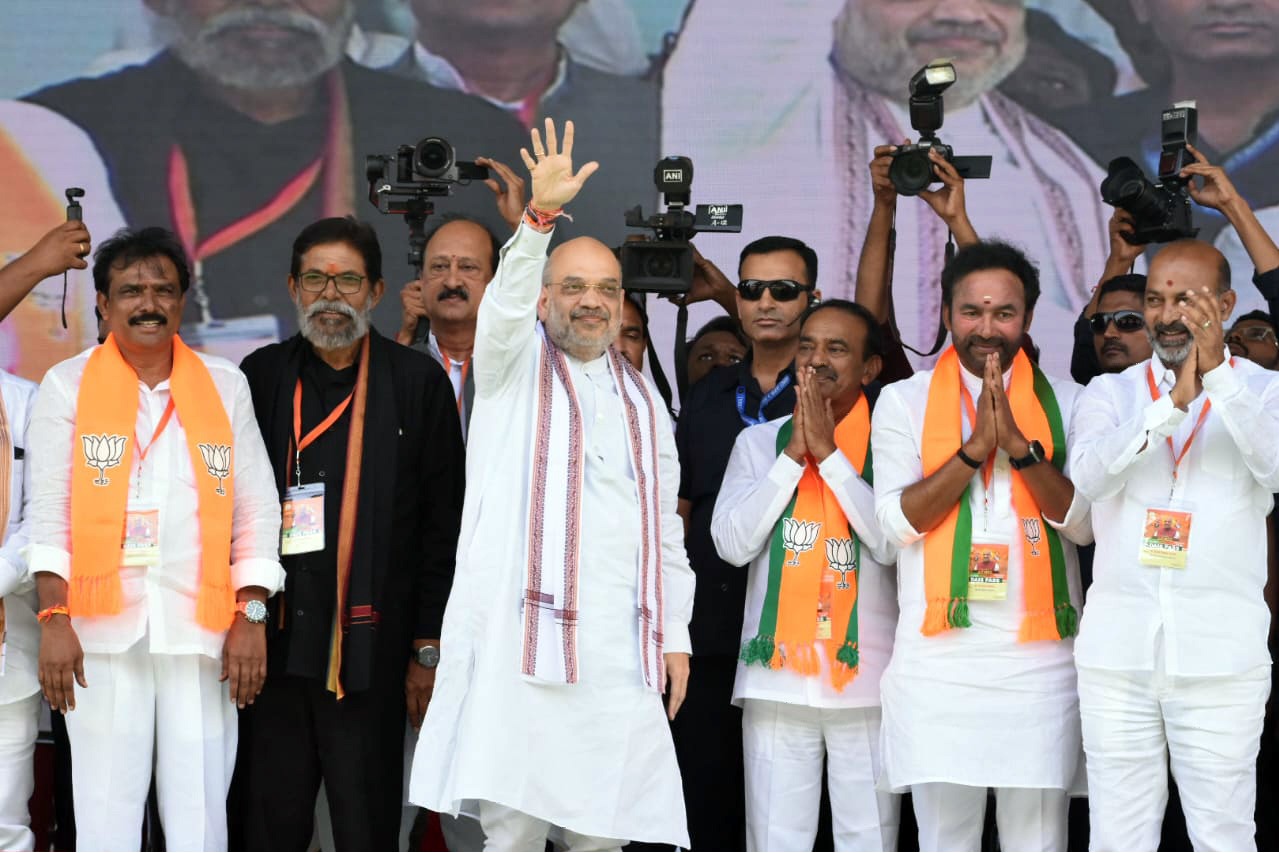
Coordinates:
758 484
972 706
18 676
594 757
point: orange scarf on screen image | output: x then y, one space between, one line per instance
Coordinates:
103 467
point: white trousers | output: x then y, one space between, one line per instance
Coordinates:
1210 727
141 711
19 724
784 747
508 829
951 817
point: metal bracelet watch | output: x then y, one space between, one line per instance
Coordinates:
254 611
427 656
1034 455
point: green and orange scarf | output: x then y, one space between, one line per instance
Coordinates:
102 468
1049 614
815 530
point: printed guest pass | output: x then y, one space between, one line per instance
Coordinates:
302 523
988 570
141 545
1165 538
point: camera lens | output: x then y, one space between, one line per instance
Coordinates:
1126 187
911 171
432 157
661 265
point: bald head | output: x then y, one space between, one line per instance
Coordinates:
581 302
1199 263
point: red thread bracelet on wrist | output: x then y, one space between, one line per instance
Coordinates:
542 219
49 612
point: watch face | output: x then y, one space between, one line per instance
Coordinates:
255 611
428 656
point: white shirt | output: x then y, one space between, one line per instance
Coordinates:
1212 614
159 600
595 757
758 484
972 706
457 376
18 677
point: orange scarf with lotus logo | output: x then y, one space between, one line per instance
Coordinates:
103 467
814 567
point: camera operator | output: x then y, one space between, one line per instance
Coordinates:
1108 339
874 278
778 277
62 248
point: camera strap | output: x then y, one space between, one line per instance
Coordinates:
941 327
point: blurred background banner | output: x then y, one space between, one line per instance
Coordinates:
209 116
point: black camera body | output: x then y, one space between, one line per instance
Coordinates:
428 169
665 265
911 170
1160 211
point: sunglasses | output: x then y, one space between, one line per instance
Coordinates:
1125 321
1250 333
782 289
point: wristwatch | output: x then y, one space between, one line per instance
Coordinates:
428 656
1033 457
254 611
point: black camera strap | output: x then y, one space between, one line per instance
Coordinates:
940 340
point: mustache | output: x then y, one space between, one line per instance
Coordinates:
335 307
1177 328
582 313
1115 345
451 292
939 30
236 19
149 317
823 372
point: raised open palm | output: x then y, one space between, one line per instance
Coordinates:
551 168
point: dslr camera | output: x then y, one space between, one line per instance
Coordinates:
1160 211
911 171
665 265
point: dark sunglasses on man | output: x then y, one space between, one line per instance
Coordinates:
782 289
1125 321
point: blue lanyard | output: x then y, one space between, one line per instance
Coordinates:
768 398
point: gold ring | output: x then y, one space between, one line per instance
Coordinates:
1207 324
82 248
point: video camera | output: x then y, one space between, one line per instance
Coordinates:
1160 212
911 171
424 171
665 265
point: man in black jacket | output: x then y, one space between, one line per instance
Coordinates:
250 126
368 457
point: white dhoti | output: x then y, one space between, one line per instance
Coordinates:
1133 722
784 749
19 720
508 829
142 710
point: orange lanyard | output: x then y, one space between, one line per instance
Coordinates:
143 451
1185 448
336 156
466 368
303 442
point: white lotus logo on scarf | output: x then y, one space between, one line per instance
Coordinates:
1033 534
839 553
799 536
103 452
217 459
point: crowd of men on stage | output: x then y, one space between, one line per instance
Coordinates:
480 549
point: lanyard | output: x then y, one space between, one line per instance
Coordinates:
988 465
1185 448
303 442
466 368
143 451
336 157
763 403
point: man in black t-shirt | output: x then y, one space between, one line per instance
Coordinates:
778 277
252 125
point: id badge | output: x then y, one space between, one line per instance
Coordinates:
141 546
988 568
233 338
302 517
1165 537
